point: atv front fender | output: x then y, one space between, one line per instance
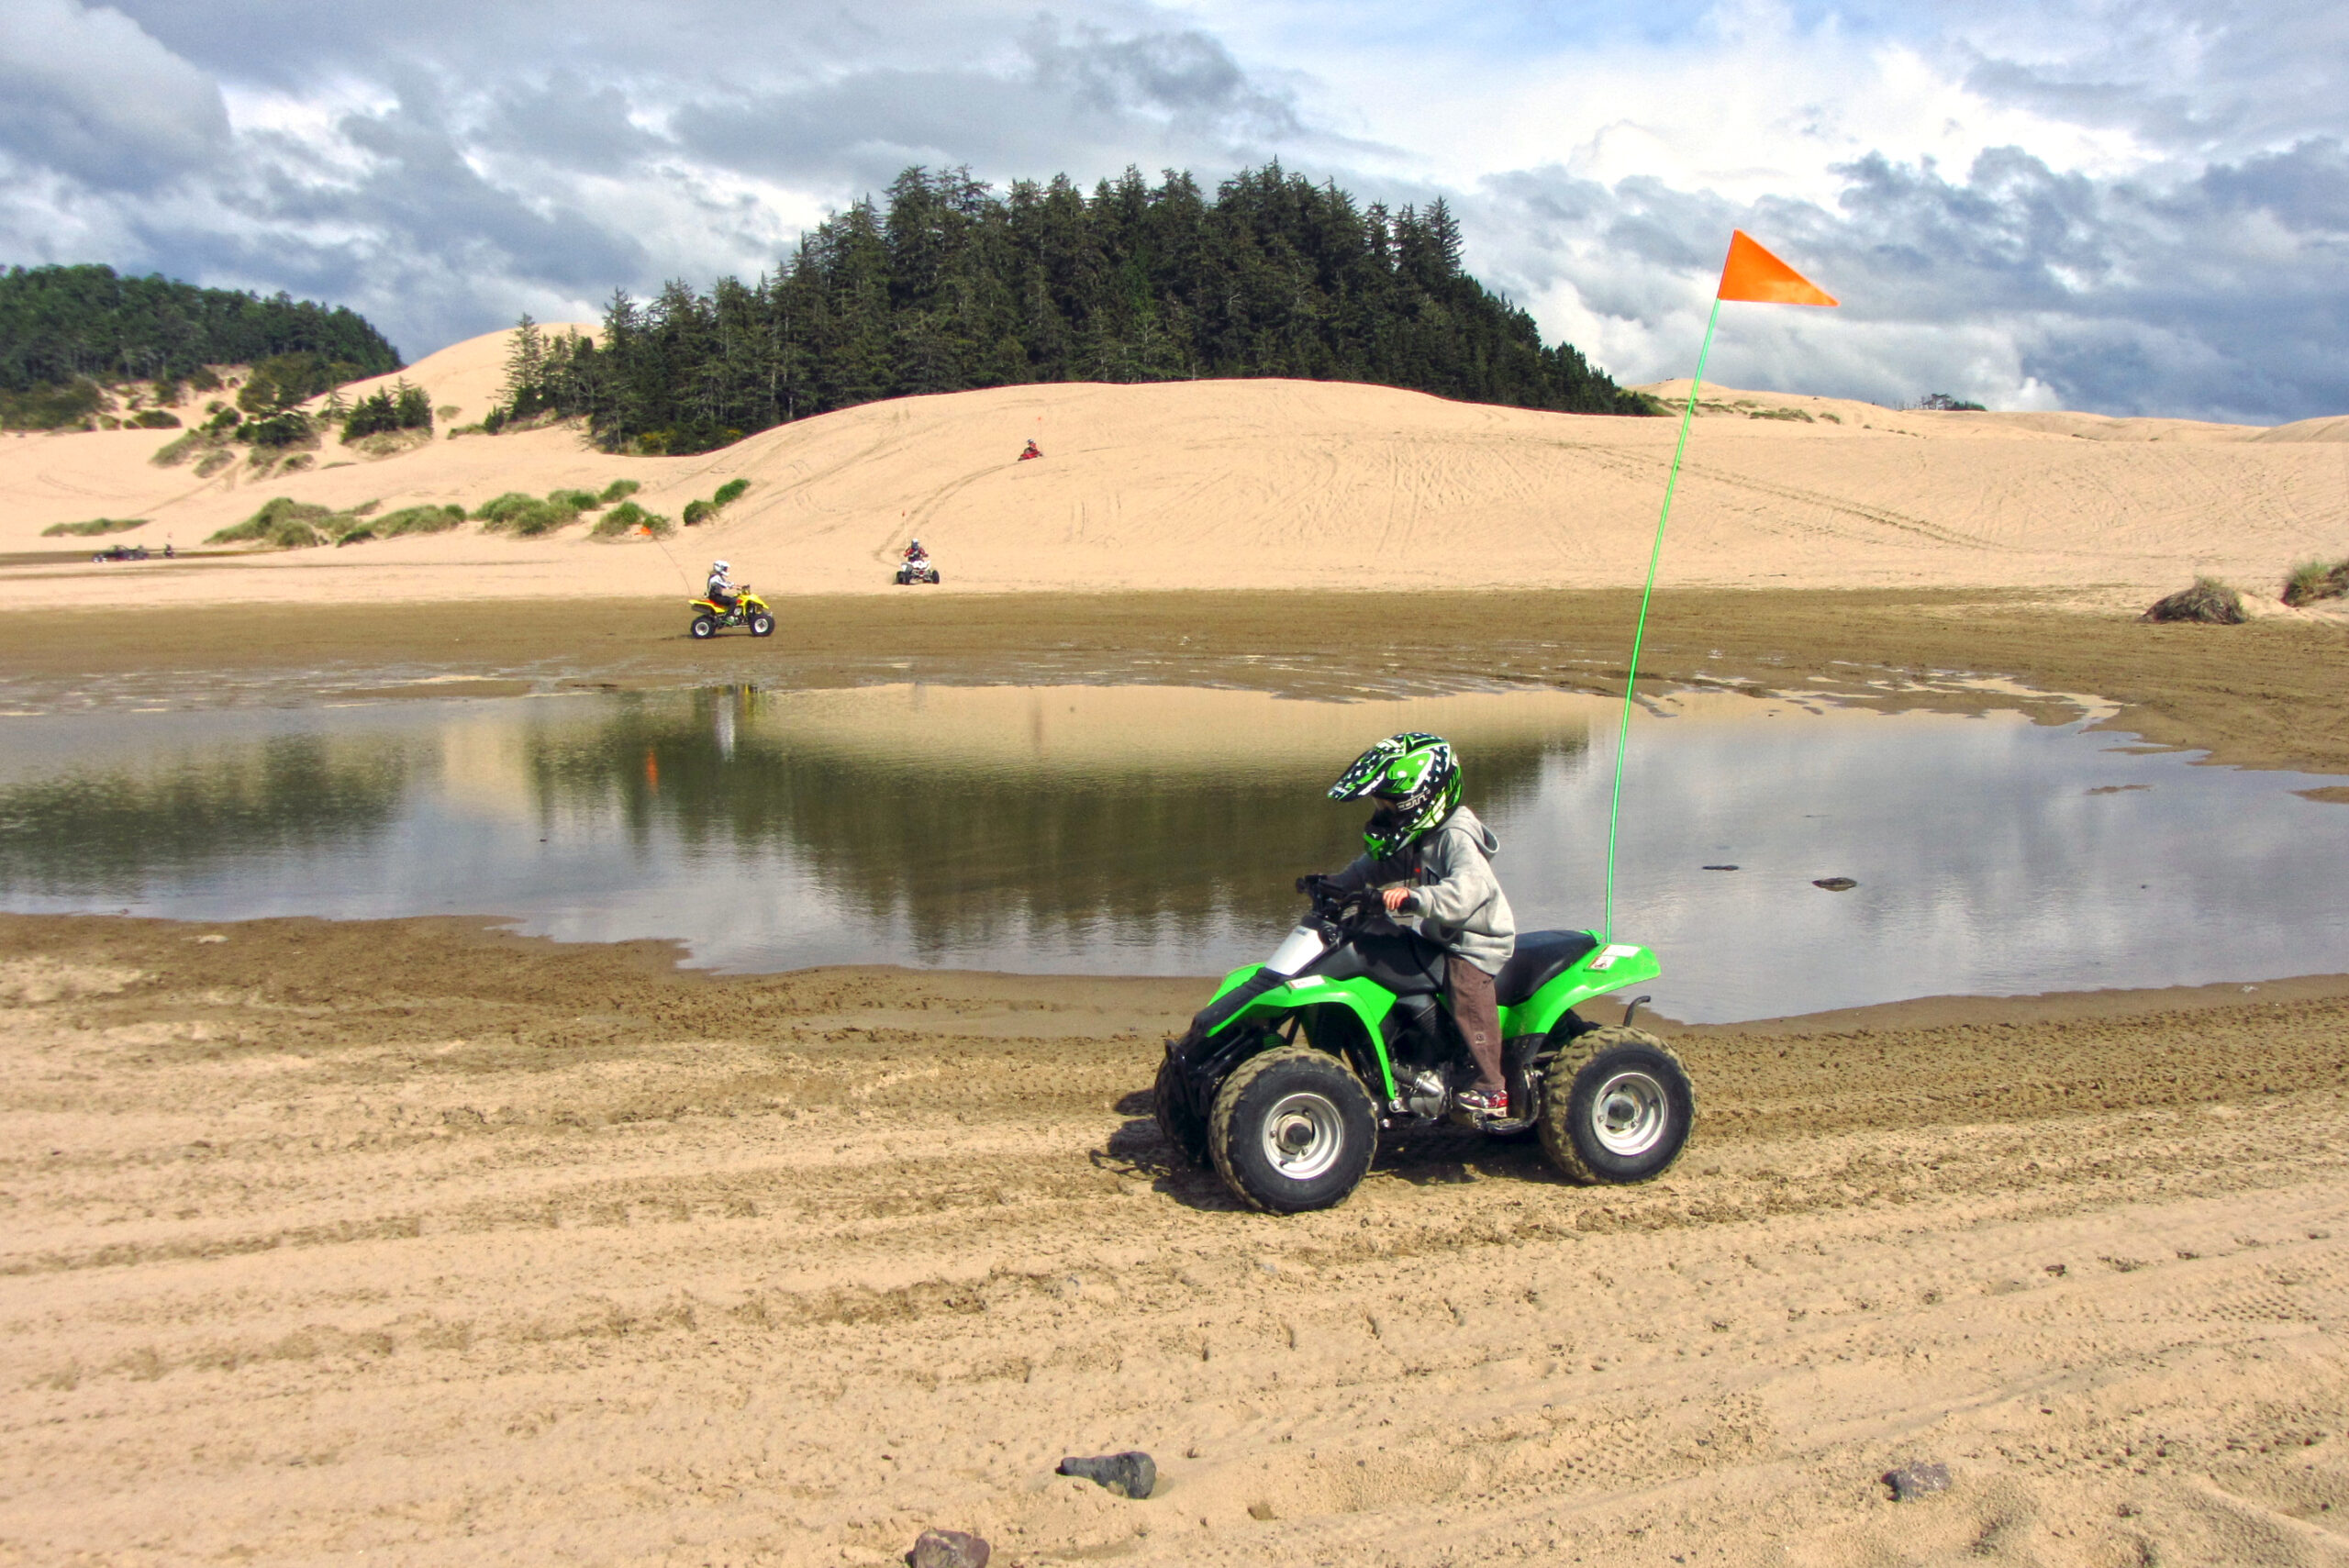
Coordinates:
1609 968
1256 996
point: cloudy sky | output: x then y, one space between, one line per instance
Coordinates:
2132 208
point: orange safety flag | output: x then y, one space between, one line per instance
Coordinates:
1753 273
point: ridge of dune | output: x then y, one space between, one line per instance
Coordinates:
1253 484
466 376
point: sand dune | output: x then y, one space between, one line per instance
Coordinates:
1262 484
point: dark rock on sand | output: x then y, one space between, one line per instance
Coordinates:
948 1548
1836 883
1131 1474
1917 1480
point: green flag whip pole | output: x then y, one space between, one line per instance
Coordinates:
1639 633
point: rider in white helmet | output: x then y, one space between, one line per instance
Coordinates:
721 587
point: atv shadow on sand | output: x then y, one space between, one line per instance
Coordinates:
1443 1155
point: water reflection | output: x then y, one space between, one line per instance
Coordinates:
113 833
1042 815
1147 830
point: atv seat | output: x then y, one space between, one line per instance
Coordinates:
1541 957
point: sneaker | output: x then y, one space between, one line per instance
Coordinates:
1483 1102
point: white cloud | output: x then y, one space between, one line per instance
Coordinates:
2128 207
84 92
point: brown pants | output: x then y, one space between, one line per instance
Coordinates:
1479 1017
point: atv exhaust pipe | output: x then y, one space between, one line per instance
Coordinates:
1633 1006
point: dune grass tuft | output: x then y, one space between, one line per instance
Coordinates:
702 511
526 516
282 523
2210 602
95 526
626 517
410 520
2313 580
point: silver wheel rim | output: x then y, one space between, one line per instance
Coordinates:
1629 1114
1303 1135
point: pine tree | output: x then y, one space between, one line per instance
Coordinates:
951 285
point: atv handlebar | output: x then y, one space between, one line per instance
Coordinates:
1340 909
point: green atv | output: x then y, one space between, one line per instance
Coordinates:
1284 1080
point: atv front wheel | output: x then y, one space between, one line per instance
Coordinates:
705 626
763 624
1617 1106
1177 1122
1292 1129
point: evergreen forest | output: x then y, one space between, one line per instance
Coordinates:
63 325
950 287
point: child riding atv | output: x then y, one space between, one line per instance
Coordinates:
1434 858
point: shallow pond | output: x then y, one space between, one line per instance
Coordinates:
1152 829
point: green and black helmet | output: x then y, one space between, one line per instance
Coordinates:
1416 782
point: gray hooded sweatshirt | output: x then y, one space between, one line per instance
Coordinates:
1459 901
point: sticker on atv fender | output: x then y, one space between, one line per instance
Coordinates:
1609 954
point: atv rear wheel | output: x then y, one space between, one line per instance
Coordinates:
705 626
763 624
1177 1122
1617 1106
1292 1129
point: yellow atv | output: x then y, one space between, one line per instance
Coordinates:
748 611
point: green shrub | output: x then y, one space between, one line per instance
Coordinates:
282 523
50 408
283 379
289 428
178 449
388 409
494 512
702 511
415 520
516 512
2313 580
95 526
155 420
544 517
621 490
626 517
2210 601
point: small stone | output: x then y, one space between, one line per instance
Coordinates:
1836 883
1263 1513
948 1548
1917 1480
1130 1475
1721 868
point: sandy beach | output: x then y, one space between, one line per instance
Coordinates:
414 1243
417 1242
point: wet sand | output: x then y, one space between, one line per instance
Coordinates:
2271 693
416 1242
